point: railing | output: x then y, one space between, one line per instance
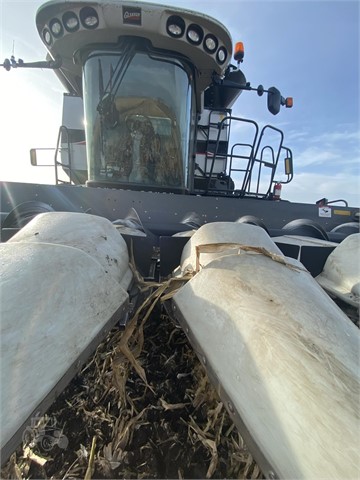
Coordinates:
246 187
255 162
58 163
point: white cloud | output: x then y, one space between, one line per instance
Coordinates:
310 187
326 165
334 137
296 135
341 136
314 156
336 151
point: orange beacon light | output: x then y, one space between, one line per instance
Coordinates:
239 52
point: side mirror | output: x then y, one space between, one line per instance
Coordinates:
39 157
274 100
289 166
33 158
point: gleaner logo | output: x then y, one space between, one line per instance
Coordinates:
132 15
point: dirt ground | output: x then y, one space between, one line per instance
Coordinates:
161 419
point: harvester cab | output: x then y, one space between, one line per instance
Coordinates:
157 87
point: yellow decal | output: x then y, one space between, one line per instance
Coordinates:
342 212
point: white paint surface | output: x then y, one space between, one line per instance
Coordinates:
285 354
55 300
341 273
225 232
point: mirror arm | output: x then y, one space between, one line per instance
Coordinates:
260 89
13 63
230 84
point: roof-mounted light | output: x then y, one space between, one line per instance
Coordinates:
56 28
194 34
210 43
239 52
175 26
89 17
221 55
47 36
71 22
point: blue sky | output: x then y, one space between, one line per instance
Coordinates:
308 49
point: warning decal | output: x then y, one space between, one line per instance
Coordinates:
325 212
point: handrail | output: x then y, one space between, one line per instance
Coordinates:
252 160
247 179
226 119
62 129
267 164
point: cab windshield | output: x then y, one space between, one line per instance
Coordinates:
137 109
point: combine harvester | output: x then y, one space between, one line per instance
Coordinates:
156 87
